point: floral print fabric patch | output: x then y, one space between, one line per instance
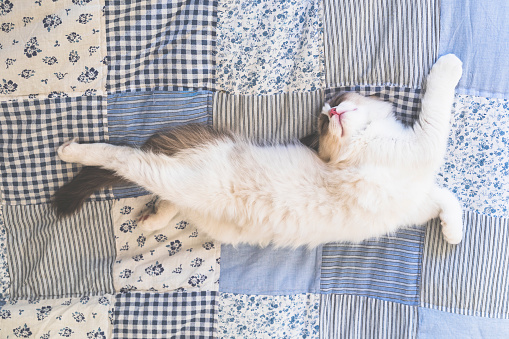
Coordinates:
51 48
266 47
85 317
176 257
249 316
476 166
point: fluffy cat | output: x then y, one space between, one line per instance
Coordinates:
371 175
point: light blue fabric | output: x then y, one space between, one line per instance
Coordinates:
437 324
269 271
478 33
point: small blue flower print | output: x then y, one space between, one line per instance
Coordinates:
126 273
84 300
74 57
27 20
81 2
128 226
128 288
208 245
5 314
66 332
138 257
8 87
141 240
103 301
32 48
60 76
174 247
45 335
22 331
89 75
51 21
50 60
73 37
93 49
155 269
5 7
27 73
197 280
160 238
84 18
43 312
126 210
181 225
197 262
9 62
78 316
7 27
96 334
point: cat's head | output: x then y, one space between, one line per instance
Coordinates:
343 124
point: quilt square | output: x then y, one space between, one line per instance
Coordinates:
387 268
475 32
176 257
85 317
351 316
160 45
134 117
4 265
380 42
30 133
50 258
52 48
470 278
266 47
165 315
476 166
269 271
262 316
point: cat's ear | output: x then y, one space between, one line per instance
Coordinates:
326 108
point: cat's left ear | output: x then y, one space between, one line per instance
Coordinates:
326 108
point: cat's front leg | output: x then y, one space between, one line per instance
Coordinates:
450 214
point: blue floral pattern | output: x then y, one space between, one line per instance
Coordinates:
259 316
86 317
52 47
476 167
4 267
177 257
268 47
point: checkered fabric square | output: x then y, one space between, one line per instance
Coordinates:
160 45
165 315
30 133
406 101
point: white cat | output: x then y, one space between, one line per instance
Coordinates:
370 177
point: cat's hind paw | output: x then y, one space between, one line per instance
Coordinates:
69 151
151 220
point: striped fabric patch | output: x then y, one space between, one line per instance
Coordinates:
349 316
380 42
470 278
273 117
165 315
406 101
134 117
49 258
387 268
30 133
4 264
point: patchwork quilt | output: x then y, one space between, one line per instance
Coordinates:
118 70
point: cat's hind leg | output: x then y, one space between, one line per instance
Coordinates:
159 217
450 214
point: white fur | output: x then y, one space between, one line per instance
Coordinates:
372 176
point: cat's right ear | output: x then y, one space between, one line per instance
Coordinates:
326 108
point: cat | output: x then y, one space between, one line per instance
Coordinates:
370 176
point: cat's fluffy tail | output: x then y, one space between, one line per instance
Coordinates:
71 197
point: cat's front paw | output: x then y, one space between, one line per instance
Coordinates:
69 151
448 68
452 230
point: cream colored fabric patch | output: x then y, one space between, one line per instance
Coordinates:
52 49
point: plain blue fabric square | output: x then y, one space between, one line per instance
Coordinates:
434 324
269 271
478 33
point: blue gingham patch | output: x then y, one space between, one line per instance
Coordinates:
160 45
406 101
30 133
165 315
